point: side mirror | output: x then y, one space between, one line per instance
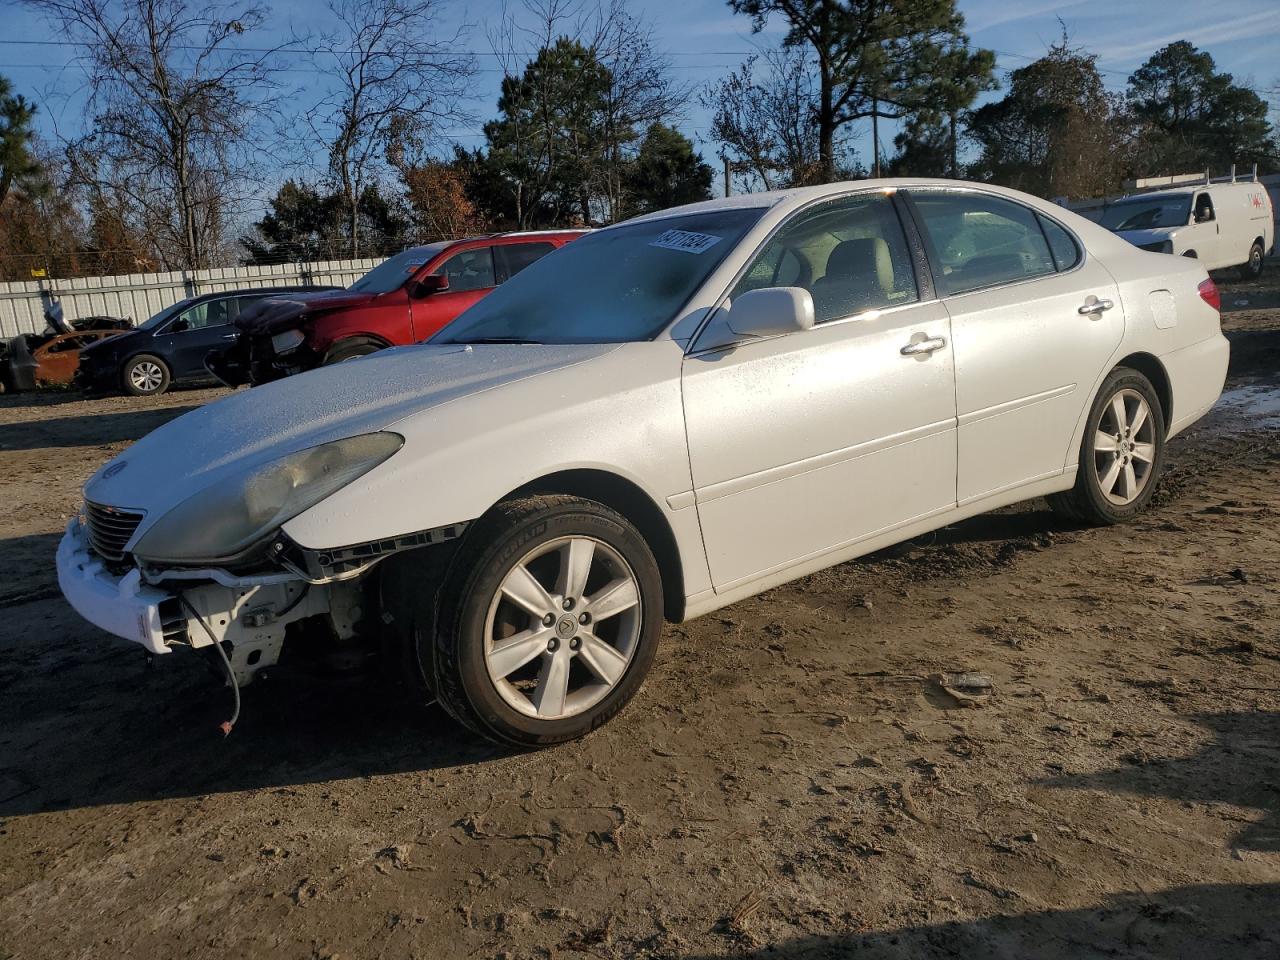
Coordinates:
432 283
178 326
771 312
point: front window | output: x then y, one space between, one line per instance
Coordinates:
1153 213
614 286
211 313
165 315
468 270
395 271
850 254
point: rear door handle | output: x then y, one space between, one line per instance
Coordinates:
917 347
1097 306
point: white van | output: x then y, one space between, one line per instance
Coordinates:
1227 224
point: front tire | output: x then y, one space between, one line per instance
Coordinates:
146 376
548 621
1251 269
1121 452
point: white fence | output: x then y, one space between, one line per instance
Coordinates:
140 295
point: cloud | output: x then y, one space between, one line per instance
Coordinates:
1252 26
1006 12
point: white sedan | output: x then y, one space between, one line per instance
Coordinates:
662 418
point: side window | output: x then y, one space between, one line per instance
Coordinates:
1204 209
211 313
980 241
513 257
1065 252
850 254
469 270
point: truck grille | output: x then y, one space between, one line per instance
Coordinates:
109 529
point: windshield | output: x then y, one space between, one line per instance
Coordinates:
615 286
165 314
393 272
1146 214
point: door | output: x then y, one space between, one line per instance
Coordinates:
193 333
806 443
471 275
1206 233
1034 322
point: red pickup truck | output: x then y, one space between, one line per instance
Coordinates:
403 300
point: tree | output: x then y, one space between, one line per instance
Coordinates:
393 79
924 149
640 92
174 107
666 172
1194 117
1057 132
874 58
18 164
307 224
766 125
437 194
546 143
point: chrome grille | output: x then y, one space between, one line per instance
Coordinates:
109 529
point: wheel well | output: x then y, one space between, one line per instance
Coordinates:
1153 370
637 506
369 338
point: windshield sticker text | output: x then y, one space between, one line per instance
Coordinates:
686 241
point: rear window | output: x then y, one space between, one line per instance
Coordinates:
514 257
982 241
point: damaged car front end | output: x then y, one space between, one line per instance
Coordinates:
216 568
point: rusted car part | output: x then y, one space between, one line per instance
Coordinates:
32 360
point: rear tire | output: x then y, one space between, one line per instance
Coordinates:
1121 452
1251 269
536 677
145 376
350 349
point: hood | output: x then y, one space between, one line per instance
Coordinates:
285 311
253 427
1150 235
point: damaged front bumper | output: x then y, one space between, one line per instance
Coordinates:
162 609
119 604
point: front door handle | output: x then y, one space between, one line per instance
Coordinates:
917 347
1096 306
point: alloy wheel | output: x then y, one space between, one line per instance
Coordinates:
1124 448
146 376
563 627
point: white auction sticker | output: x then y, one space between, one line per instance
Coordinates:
686 240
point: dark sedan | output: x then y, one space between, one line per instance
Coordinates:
170 348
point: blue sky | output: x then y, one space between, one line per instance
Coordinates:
705 40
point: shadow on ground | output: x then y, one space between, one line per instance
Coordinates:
1236 921
85 721
87 430
1240 767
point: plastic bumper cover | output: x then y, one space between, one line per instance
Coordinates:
121 605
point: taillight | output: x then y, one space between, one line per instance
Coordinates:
1209 294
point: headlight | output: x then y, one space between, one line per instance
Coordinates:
288 341
224 522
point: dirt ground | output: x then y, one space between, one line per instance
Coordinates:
791 782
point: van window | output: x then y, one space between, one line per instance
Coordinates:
850 254
1204 209
981 241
